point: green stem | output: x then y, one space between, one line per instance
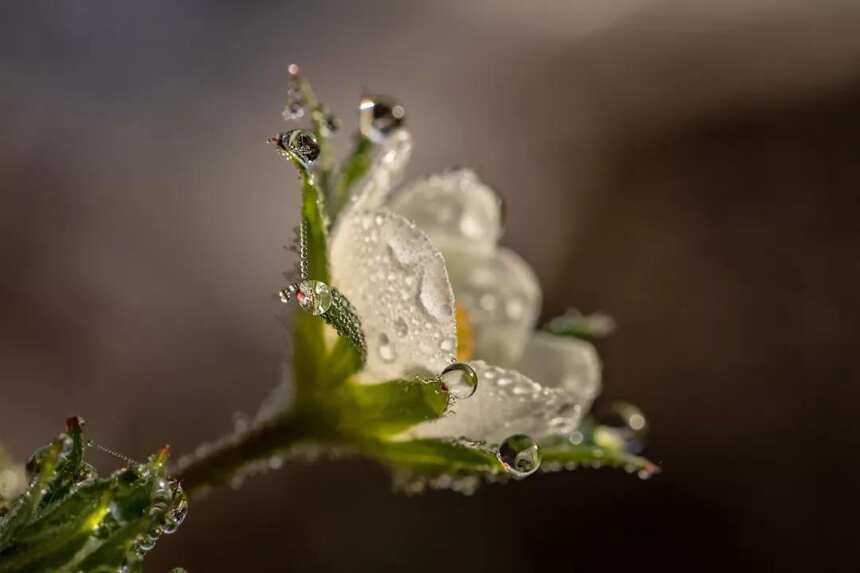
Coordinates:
232 454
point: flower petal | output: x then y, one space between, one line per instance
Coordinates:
502 297
397 281
563 362
390 160
505 403
455 209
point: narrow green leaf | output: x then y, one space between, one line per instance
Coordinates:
70 520
308 339
389 407
564 455
313 216
435 456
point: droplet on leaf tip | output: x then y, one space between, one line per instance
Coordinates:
379 117
300 144
621 426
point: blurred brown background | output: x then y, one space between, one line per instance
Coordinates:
690 167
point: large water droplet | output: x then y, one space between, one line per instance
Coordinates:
379 117
386 349
301 144
621 426
520 455
433 294
460 379
313 296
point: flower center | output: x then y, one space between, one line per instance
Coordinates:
465 336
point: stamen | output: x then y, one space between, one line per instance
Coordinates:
465 334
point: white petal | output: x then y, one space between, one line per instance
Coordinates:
455 209
398 283
502 297
390 160
563 362
505 403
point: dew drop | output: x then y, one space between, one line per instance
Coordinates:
520 455
460 379
301 144
312 296
386 349
621 426
145 544
400 327
379 117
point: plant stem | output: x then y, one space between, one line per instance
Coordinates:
235 452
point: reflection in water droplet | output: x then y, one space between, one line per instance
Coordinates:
299 143
312 296
386 349
621 426
520 455
460 379
379 117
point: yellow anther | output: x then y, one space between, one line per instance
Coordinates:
465 335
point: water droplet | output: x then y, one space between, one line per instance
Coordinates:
621 426
312 296
301 144
433 294
295 106
400 327
520 455
460 379
145 544
386 349
447 345
379 117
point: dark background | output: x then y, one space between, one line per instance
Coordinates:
691 168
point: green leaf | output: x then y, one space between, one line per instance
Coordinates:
436 456
71 520
308 338
390 407
316 227
320 121
561 454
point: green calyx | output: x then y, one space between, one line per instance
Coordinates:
69 519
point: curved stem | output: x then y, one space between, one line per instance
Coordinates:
235 452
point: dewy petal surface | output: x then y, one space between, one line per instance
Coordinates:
564 362
455 209
502 297
505 403
390 160
397 281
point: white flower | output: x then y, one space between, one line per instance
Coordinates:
388 256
